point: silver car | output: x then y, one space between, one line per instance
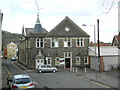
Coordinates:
19 82
46 68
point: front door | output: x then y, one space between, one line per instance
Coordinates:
39 62
67 62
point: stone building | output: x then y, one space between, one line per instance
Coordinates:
66 45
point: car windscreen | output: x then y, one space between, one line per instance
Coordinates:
22 80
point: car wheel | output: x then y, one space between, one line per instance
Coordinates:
40 71
54 70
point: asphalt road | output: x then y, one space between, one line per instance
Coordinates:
51 80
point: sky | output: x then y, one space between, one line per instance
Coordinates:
51 12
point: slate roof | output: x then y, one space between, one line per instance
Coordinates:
31 30
74 30
38 26
28 31
117 37
37 35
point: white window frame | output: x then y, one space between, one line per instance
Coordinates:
85 60
67 54
47 61
78 60
80 41
66 41
56 42
38 42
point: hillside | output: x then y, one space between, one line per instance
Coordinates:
7 37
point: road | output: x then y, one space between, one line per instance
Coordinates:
61 79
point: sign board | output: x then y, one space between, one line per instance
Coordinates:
62 61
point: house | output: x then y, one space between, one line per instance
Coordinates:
108 56
11 50
66 45
116 40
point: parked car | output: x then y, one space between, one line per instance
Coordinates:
13 59
46 68
22 81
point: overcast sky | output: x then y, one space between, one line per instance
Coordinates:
24 12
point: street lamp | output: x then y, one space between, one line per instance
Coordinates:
94 31
94 36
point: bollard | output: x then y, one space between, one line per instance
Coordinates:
76 70
73 69
85 70
96 77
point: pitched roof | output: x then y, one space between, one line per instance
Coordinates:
117 39
31 30
37 35
38 26
67 28
28 31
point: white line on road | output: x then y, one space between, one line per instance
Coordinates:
101 84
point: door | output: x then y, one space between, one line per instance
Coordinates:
39 62
67 62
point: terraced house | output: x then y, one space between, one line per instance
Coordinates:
66 45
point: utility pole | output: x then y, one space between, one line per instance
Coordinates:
98 45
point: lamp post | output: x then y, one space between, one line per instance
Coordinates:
94 36
94 31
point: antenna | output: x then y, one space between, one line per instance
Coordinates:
37 6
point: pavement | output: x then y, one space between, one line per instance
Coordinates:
109 79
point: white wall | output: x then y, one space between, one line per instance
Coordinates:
94 63
108 61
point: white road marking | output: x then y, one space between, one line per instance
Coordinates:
101 84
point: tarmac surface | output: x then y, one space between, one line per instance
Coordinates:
110 79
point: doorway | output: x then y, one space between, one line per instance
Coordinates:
39 62
67 62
